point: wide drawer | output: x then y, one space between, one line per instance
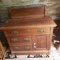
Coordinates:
20 39
28 31
20 47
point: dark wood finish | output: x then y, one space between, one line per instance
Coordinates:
31 35
29 12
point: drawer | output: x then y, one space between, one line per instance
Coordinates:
22 47
18 31
42 30
28 31
20 39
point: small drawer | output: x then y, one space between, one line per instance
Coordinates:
22 47
20 39
28 31
43 30
12 31
19 31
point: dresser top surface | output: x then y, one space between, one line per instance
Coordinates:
28 22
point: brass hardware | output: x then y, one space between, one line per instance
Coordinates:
27 30
14 39
40 30
27 47
26 39
14 32
16 48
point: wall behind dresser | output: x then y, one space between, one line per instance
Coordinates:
53 7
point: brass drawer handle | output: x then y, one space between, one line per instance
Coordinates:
26 39
40 30
14 32
27 47
14 39
27 30
16 48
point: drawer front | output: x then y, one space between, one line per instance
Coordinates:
19 31
20 39
42 30
28 31
22 47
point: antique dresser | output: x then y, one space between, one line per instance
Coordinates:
28 30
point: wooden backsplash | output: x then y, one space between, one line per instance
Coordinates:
52 7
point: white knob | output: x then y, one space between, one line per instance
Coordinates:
34 43
34 46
